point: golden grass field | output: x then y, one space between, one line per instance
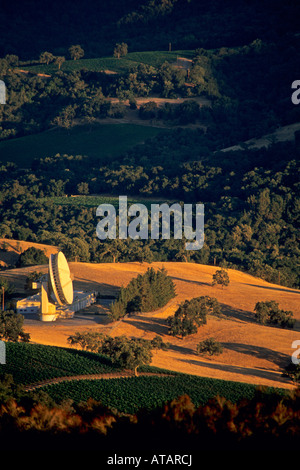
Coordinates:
252 353
13 248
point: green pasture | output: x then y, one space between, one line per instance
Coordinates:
101 141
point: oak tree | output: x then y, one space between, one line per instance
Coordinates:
76 52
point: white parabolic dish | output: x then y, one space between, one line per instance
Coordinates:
60 278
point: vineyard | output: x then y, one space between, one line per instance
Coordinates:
128 395
33 363
123 64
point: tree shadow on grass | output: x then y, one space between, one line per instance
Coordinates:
81 283
259 352
155 325
283 289
181 349
260 373
159 327
297 325
198 283
237 314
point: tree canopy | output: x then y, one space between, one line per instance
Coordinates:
221 277
76 52
191 314
269 313
11 326
32 256
144 293
128 353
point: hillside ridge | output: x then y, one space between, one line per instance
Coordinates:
253 353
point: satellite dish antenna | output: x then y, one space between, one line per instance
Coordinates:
57 286
61 285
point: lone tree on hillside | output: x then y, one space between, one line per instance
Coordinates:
46 57
191 314
59 60
87 340
120 50
209 347
221 277
128 353
76 52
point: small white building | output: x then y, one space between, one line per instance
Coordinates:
81 300
30 304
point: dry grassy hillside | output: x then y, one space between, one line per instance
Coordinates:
11 249
252 353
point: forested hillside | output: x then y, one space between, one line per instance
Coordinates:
162 101
248 87
27 30
243 58
251 211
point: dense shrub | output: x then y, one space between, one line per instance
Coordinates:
209 346
148 110
270 313
32 256
11 326
144 293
